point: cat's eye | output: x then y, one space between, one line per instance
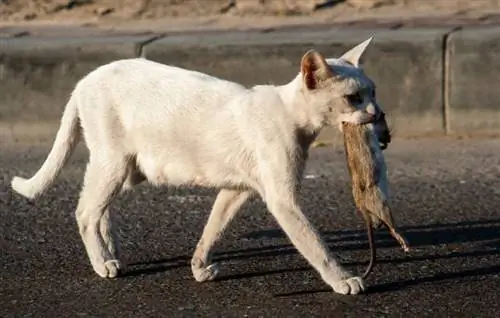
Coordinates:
354 99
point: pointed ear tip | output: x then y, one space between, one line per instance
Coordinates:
369 40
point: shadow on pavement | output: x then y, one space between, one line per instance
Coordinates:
454 235
490 270
394 286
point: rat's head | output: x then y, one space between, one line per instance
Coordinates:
339 85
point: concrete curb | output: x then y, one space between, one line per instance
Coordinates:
473 63
430 81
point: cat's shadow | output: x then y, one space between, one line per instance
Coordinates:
455 235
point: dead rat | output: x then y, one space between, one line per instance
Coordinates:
366 165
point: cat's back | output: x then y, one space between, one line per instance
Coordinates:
135 71
143 92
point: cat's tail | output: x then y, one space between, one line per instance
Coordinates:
66 139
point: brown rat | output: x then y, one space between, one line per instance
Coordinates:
367 168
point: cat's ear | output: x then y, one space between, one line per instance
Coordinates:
355 55
314 69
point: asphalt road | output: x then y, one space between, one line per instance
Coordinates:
446 198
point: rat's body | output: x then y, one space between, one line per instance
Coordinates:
367 168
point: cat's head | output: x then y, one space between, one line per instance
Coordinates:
339 85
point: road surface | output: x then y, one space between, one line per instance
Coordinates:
446 198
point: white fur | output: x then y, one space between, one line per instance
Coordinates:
142 120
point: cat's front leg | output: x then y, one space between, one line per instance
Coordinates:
308 242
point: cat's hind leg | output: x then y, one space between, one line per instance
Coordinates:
104 178
108 226
109 233
226 205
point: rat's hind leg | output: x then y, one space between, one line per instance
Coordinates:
103 179
227 203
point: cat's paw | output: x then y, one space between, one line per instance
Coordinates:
349 286
110 269
203 274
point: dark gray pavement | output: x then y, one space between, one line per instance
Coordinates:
446 199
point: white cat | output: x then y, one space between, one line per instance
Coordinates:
142 120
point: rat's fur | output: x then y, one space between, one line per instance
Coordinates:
142 120
368 171
370 189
